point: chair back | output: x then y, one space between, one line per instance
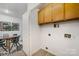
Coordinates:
1 40
14 34
16 38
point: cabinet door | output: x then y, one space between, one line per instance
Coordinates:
58 12
48 13
71 10
41 16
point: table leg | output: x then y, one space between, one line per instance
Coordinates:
8 44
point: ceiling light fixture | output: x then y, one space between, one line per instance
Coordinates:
7 11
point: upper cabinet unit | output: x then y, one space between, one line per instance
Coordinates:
71 10
48 14
44 15
41 16
58 12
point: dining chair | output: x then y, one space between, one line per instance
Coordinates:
15 41
2 44
7 41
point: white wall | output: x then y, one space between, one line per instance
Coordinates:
57 43
35 41
31 6
25 33
36 37
5 18
28 18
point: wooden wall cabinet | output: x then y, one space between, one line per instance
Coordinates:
48 14
71 10
58 12
41 16
51 13
44 15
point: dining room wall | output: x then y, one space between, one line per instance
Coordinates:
5 18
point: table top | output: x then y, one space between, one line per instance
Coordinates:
6 38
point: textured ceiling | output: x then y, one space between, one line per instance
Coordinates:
14 9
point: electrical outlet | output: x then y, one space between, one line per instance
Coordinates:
67 35
46 47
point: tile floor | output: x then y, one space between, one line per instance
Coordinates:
14 52
42 52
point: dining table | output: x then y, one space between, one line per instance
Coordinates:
8 41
